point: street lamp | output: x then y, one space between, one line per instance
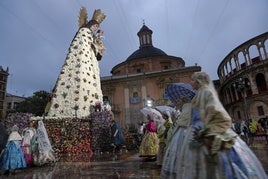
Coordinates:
148 102
242 86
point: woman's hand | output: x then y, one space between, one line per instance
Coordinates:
208 143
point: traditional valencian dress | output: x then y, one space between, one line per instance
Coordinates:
150 142
162 134
228 156
27 138
42 150
173 155
12 157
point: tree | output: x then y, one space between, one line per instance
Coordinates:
35 104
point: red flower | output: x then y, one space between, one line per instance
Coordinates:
56 105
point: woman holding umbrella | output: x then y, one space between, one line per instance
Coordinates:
150 142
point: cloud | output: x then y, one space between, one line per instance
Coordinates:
35 35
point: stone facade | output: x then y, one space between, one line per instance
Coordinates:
243 76
142 76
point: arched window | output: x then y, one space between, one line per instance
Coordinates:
261 84
233 94
248 87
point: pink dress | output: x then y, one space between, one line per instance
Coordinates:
26 145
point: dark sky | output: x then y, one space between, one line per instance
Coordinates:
35 35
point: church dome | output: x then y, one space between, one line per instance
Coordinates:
146 46
148 51
147 57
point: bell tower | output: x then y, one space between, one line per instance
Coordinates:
145 36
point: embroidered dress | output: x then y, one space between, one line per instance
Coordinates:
162 134
150 142
26 145
12 157
189 156
173 155
43 152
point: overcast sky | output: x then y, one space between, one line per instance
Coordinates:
35 35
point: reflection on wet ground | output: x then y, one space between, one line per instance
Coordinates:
126 165
262 154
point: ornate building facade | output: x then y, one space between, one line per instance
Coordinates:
141 77
3 84
243 76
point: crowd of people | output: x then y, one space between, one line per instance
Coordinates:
197 141
30 148
252 130
200 142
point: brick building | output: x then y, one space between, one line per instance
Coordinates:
142 76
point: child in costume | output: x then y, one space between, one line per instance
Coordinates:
27 139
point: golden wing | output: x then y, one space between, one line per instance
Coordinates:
82 17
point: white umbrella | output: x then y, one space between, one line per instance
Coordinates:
163 109
153 113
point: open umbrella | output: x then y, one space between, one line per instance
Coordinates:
155 115
164 109
175 90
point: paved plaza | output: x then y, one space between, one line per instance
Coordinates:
111 166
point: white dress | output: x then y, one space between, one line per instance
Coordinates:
44 146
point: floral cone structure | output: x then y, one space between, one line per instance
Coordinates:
78 85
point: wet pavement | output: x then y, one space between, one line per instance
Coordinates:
111 166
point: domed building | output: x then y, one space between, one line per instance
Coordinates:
243 76
142 77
